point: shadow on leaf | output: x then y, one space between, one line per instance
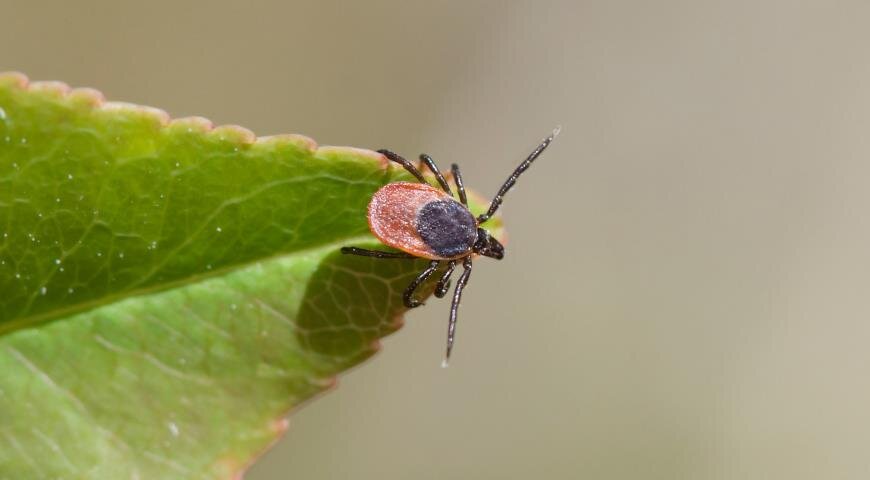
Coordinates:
364 299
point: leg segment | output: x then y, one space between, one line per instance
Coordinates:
401 161
444 282
362 252
454 307
408 296
434 169
457 177
496 201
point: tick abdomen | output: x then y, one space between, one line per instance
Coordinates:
422 220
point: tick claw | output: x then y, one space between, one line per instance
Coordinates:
414 303
441 291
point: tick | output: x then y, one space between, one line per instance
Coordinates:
422 221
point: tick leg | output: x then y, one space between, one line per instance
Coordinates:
408 296
374 253
457 177
499 197
444 282
401 161
454 307
434 168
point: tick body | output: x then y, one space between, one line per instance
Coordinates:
422 221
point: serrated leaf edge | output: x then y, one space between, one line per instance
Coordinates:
96 101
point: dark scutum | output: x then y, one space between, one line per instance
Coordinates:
447 227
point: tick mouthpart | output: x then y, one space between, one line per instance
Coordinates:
488 246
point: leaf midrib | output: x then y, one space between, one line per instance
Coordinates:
44 317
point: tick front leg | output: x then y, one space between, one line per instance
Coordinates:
499 197
408 296
362 252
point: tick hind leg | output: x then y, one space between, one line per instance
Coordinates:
394 157
408 297
444 282
362 252
454 307
426 159
413 170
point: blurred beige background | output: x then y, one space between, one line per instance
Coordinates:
687 288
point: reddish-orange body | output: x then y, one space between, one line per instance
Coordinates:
392 216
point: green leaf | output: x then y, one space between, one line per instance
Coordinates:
171 290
